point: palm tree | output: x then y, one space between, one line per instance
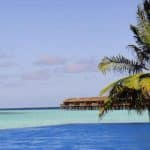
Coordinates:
142 48
133 89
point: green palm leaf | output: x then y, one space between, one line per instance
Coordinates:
139 83
119 64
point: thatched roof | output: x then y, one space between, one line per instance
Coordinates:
85 99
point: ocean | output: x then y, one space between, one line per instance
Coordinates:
22 118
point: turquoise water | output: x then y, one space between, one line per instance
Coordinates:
37 118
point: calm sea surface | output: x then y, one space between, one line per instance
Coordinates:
46 117
54 129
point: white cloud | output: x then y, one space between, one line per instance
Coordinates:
83 65
37 75
79 67
50 60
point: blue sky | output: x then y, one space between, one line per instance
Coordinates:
49 50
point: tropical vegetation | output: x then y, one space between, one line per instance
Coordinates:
134 89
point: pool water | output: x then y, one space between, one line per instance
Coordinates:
78 137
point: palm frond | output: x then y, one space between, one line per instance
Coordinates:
107 88
140 53
130 82
145 33
134 90
135 31
147 9
119 64
140 15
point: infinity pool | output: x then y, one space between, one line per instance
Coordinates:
78 137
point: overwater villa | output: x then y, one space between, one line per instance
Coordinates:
90 103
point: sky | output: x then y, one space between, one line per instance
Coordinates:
50 49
